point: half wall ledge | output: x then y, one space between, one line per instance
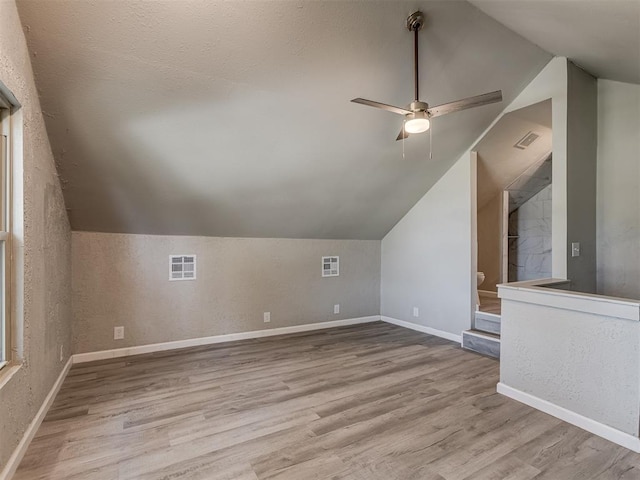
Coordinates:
573 355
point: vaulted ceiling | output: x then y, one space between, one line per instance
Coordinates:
500 162
233 118
601 36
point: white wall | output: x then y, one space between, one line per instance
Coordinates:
578 352
429 257
123 280
618 201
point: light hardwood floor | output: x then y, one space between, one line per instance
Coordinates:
366 402
490 304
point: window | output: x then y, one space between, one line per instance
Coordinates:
182 267
5 230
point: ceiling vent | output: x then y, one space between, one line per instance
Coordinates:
526 141
182 267
330 266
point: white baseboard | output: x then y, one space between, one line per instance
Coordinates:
17 455
424 329
229 337
616 436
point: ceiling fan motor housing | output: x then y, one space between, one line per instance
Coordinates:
417 114
415 21
418 107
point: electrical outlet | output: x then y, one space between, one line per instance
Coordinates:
61 352
336 308
416 312
267 317
118 333
575 249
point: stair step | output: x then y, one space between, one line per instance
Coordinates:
487 322
482 342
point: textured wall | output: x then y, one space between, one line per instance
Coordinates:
530 253
121 279
618 194
581 171
585 363
426 258
47 256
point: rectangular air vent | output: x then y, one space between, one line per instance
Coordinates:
527 140
182 267
330 266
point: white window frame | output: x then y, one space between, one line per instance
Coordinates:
6 175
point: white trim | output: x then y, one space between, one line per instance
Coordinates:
229 337
609 433
8 372
17 455
488 293
535 292
327 273
182 264
423 328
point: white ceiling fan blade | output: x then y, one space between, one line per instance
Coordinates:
383 106
465 103
402 135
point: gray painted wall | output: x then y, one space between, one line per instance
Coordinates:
530 253
426 258
618 194
582 134
122 279
585 363
45 240
429 257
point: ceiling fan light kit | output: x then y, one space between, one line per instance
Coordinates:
417 122
418 114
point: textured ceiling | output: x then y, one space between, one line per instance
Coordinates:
499 162
233 118
602 36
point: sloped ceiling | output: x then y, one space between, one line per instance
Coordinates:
601 36
499 162
233 118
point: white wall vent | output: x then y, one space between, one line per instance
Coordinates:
182 267
330 266
527 140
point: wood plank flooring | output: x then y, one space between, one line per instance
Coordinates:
366 402
490 304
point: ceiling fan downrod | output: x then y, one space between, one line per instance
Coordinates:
415 22
417 114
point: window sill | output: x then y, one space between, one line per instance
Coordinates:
7 371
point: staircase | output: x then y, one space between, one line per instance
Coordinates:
485 337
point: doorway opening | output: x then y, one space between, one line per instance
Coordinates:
513 214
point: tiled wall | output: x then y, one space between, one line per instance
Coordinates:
530 250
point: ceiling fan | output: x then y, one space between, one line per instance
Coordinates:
417 113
